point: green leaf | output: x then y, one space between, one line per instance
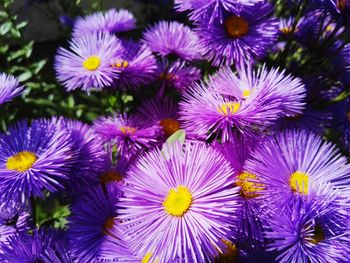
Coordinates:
4 49
21 25
5 28
70 102
179 135
25 76
38 66
15 33
3 14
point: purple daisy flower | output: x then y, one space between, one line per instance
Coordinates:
295 163
115 171
249 228
340 6
112 21
173 38
162 112
248 83
190 211
9 88
92 220
210 9
128 133
314 120
311 230
245 103
40 246
136 64
341 122
88 64
14 219
244 35
178 75
33 159
87 154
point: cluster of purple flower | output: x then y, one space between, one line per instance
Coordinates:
253 181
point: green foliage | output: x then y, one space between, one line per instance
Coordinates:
50 212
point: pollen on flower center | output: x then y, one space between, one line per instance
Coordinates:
108 225
120 63
299 182
147 257
169 126
246 93
318 234
127 130
249 188
229 108
111 176
92 63
21 161
236 26
178 201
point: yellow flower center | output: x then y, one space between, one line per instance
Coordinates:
318 234
299 182
246 93
329 28
120 63
249 188
236 26
92 63
127 130
111 176
21 161
107 227
170 126
229 108
178 201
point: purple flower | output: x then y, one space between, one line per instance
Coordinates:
115 171
33 159
294 163
173 38
136 64
249 83
9 88
40 246
14 219
340 6
242 36
128 134
180 202
249 228
244 103
314 229
87 153
112 21
92 220
161 112
178 75
88 64
314 120
341 122
210 9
